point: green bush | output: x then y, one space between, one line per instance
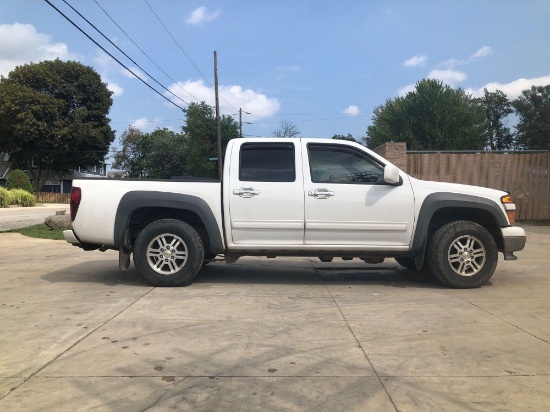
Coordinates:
23 198
6 198
18 179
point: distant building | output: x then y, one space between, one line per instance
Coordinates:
55 183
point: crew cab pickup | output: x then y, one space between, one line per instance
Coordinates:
297 197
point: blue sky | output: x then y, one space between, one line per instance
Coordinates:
324 65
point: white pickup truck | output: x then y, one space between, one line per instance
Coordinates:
297 197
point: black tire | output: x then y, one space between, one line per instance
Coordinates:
208 258
462 255
163 266
408 262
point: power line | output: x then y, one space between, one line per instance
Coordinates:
113 57
146 55
122 51
181 48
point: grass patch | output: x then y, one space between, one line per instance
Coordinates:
40 231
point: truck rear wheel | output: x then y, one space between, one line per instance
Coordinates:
462 255
168 252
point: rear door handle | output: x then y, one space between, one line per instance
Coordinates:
246 192
320 193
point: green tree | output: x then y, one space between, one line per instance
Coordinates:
200 130
130 157
497 107
348 137
157 155
18 179
53 117
533 109
432 117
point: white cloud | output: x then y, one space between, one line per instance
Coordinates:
449 76
292 68
147 125
352 110
142 123
107 67
418 60
450 63
115 88
512 89
201 15
283 70
404 90
453 62
22 44
484 51
258 104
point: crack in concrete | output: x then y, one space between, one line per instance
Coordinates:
73 345
498 317
356 340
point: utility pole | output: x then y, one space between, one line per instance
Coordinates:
241 121
218 126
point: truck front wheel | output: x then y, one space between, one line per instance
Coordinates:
168 252
462 254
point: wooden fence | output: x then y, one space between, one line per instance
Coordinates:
524 174
47 197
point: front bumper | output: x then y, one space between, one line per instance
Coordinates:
513 239
70 237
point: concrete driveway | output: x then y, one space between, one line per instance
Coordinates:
284 334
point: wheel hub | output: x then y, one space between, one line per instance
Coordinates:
467 255
167 254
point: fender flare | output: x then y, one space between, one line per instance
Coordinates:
437 201
134 200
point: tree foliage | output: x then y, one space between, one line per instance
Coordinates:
533 110
432 117
53 115
18 179
157 155
200 130
286 129
347 137
165 153
497 107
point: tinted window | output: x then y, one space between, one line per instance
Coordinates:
267 162
337 164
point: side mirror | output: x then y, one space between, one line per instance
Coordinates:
391 175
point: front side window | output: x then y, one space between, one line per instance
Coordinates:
267 162
339 164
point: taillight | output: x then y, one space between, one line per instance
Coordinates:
510 208
76 197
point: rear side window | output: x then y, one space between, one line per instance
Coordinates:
267 162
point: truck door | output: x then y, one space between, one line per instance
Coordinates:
266 194
347 201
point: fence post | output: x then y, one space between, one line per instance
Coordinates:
396 153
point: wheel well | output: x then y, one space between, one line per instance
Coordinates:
449 214
140 218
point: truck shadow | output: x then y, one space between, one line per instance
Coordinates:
106 272
390 276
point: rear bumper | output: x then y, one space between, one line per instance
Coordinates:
513 239
70 237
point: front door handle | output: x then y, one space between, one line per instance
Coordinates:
246 192
320 193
